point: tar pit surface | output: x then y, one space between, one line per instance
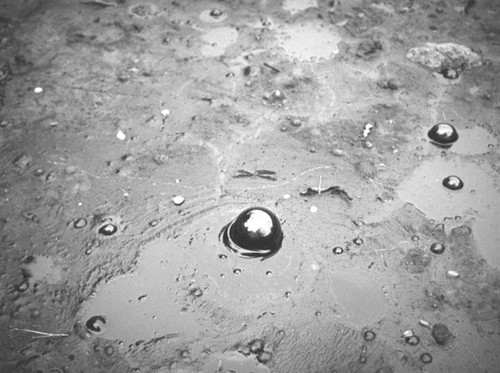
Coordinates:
249 186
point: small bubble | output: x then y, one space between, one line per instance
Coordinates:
426 358
23 286
216 13
96 324
450 74
369 335
472 191
358 241
222 256
491 146
288 294
453 182
317 313
269 273
415 238
39 172
236 271
412 340
439 227
109 350
108 229
222 275
338 250
437 248
153 223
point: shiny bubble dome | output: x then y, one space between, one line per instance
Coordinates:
255 233
443 134
453 182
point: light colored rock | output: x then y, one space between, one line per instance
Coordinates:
445 55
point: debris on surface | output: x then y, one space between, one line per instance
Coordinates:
333 190
445 56
263 174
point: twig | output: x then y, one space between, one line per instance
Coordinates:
275 69
41 334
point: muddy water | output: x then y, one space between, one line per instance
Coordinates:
473 141
41 268
478 201
192 85
144 305
308 41
218 40
151 303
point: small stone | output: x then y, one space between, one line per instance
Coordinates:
120 135
313 209
80 223
256 346
441 334
178 200
22 161
264 357
412 340
245 350
452 274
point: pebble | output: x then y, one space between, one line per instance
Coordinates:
22 161
80 223
264 357
256 346
441 334
178 200
120 135
452 274
313 209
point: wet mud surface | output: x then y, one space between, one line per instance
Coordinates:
132 132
